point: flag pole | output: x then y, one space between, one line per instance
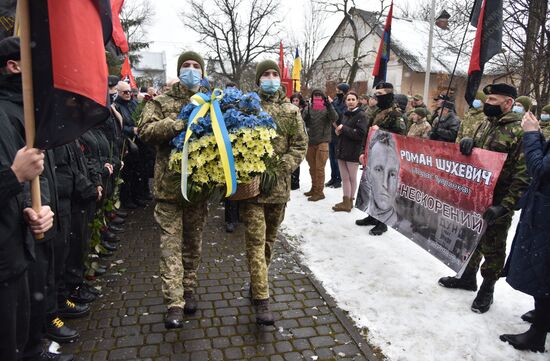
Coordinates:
28 96
430 47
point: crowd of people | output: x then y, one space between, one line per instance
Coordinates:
47 280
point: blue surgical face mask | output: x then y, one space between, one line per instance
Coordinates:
478 104
518 109
190 78
545 117
270 86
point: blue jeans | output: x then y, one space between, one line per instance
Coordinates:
334 170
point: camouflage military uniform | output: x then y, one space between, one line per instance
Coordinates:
409 122
389 120
545 129
472 119
420 129
502 135
263 215
181 223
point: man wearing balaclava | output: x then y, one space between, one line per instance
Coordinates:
181 222
386 117
263 215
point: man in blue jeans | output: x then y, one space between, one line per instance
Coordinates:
339 105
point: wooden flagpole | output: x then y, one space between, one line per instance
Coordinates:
28 96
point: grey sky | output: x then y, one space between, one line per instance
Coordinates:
167 32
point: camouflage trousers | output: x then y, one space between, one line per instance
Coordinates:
262 221
180 248
492 247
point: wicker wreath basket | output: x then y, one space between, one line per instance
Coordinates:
247 190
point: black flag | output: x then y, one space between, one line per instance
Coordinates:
7 18
487 17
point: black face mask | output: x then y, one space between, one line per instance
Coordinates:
492 110
340 95
385 101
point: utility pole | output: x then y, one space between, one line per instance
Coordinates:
429 59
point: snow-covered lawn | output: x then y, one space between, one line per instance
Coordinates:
389 285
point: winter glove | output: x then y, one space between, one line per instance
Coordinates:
466 146
328 104
493 213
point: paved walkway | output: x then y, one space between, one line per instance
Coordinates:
126 323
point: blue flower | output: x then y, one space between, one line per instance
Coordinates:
177 141
197 129
186 111
265 120
231 95
231 118
250 102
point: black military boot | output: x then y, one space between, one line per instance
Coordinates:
379 229
528 316
368 221
73 310
467 282
57 331
484 298
108 246
190 303
263 314
82 295
50 356
174 318
532 340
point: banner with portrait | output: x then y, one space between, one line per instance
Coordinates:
429 192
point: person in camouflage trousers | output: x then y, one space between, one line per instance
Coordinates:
500 132
420 127
545 122
181 222
387 117
263 215
473 118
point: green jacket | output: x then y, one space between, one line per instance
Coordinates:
157 128
469 124
319 124
504 135
390 120
290 146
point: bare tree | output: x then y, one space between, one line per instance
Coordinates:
234 33
135 17
346 9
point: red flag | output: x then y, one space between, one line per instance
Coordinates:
126 73
119 37
69 69
381 64
281 59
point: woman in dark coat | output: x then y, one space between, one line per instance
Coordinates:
351 131
528 266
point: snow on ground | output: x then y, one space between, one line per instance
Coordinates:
389 285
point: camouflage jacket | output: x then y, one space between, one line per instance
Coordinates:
157 127
390 120
408 115
469 124
505 135
290 146
420 129
545 129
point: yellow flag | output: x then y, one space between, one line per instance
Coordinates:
296 71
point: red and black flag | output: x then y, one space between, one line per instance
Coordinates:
118 44
7 18
126 73
69 67
381 64
487 17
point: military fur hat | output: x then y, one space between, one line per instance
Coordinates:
10 49
525 101
264 66
546 109
501 89
191 55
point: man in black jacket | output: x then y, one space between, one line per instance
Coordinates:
40 272
445 127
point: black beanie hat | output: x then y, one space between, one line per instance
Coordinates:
10 49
